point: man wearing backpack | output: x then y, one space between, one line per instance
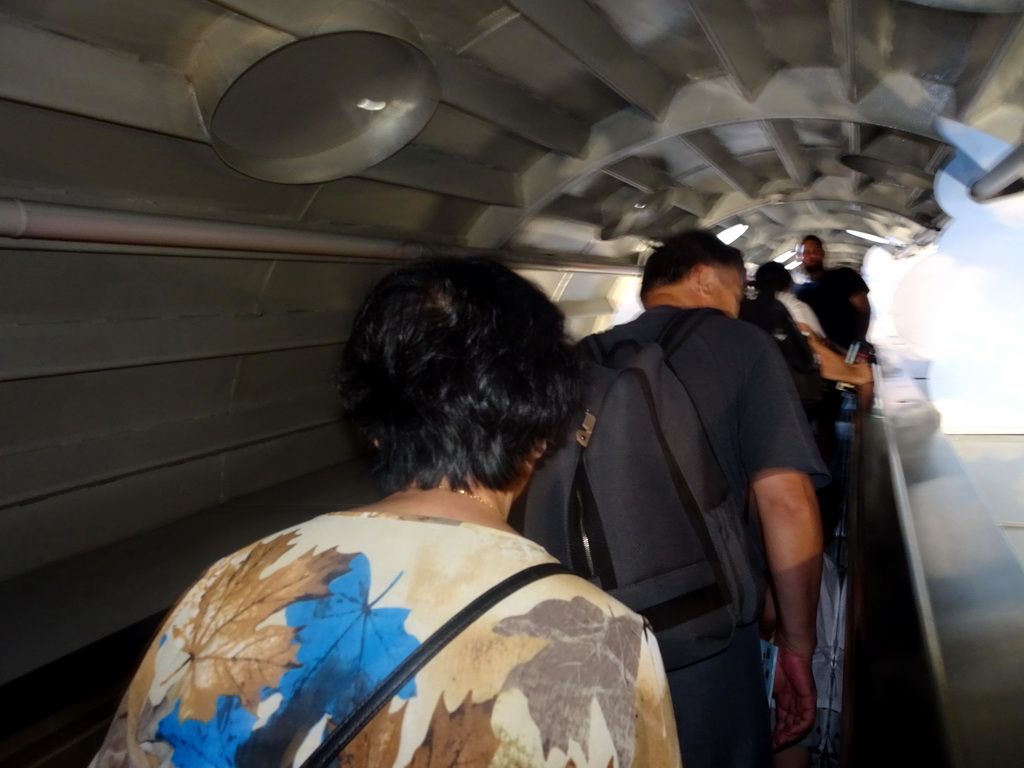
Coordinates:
745 403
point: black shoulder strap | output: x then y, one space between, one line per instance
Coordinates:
681 327
592 347
327 753
670 338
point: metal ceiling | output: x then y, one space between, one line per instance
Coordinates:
555 121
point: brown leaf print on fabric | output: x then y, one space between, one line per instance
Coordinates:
228 654
459 739
591 654
114 752
377 743
122 747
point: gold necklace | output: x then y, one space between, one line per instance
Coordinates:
474 497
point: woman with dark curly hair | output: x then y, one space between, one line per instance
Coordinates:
460 374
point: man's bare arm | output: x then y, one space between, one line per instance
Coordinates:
792 533
863 306
789 516
832 365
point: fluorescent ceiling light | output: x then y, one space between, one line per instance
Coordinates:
866 236
370 105
733 233
792 266
782 258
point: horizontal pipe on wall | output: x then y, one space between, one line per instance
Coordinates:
48 221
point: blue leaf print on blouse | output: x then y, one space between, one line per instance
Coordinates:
347 646
208 745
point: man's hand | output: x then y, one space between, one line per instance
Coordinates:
796 700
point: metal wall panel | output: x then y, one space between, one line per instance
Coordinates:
391 208
47 155
140 387
33 535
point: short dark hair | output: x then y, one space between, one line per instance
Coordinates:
770 278
457 368
815 238
674 259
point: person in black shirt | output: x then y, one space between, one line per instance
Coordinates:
839 297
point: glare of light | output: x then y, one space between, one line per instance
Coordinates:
782 258
866 236
793 266
370 105
733 233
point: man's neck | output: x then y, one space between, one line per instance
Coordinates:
670 296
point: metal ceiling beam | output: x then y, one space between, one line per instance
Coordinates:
923 196
855 145
575 209
762 234
447 174
862 36
589 36
56 72
789 149
484 28
638 173
672 222
737 205
478 91
917 197
938 159
775 215
995 67
811 93
732 32
718 157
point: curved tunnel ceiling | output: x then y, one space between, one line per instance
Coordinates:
583 127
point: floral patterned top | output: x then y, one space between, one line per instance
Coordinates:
281 640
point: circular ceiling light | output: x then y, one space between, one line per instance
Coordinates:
325 107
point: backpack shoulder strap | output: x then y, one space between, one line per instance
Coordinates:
593 349
327 753
670 338
681 327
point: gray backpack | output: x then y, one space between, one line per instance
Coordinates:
630 502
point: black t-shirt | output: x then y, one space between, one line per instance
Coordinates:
770 315
829 297
745 396
743 390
